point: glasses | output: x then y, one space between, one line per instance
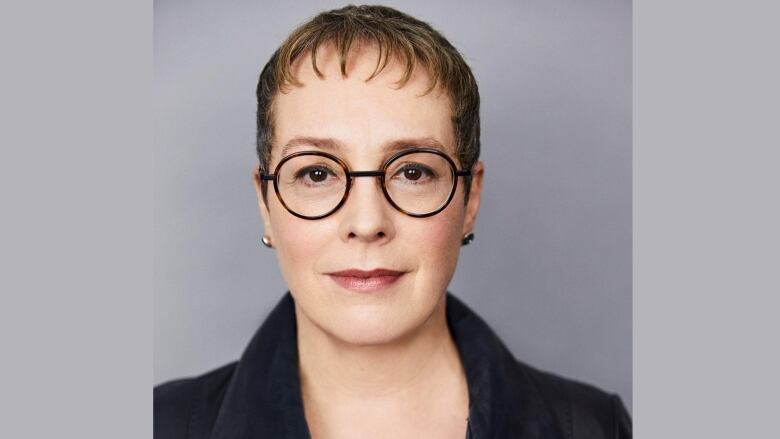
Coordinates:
419 182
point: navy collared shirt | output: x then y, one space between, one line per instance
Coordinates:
259 396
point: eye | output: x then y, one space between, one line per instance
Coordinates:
313 174
318 175
415 172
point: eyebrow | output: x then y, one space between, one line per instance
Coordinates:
334 145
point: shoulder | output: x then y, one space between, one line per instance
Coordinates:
183 407
582 410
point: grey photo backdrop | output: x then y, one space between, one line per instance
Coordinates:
550 269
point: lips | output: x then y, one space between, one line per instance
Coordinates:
366 274
366 281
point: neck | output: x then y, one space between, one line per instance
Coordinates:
414 367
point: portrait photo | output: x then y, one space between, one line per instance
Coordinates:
404 219
533 219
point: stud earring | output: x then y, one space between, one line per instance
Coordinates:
267 241
467 239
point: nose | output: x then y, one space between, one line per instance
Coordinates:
367 215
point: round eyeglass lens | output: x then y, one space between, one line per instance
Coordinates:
420 183
311 185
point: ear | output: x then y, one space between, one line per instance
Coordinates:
475 196
261 204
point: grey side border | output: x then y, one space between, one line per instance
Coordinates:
705 219
76 225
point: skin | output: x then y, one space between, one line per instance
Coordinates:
378 364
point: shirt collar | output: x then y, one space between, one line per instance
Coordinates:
263 398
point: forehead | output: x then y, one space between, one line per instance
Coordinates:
360 117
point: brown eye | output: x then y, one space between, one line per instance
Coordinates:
412 173
313 174
318 175
415 172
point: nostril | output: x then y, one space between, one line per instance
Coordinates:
378 235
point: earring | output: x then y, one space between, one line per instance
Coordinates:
467 239
267 241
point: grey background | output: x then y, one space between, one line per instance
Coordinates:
550 269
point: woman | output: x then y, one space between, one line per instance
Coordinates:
369 184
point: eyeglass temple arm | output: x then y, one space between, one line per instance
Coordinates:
266 177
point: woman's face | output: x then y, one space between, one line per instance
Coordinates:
360 119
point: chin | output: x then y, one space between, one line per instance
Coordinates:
366 319
367 325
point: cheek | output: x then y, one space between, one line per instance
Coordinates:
436 242
299 246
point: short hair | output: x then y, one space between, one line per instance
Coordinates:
396 35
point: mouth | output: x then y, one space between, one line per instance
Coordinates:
366 281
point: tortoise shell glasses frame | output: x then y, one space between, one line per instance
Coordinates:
381 174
